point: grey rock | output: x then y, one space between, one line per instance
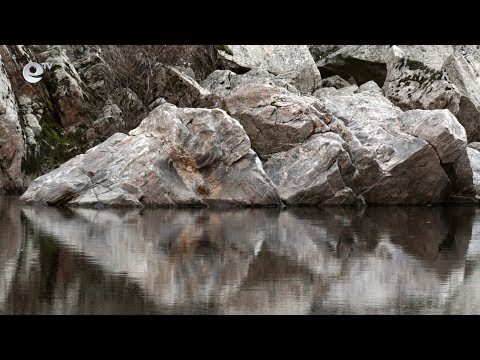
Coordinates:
311 173
109 123
474 145
369 62
66 85
463 71
320 51
413 84
219 82
370 86
292 63
176 87
410 170
474 158
186 70
90 66
224 82
11 141
465 176
328 91
362 62
461 175
334 81
176 157
440 128
274 119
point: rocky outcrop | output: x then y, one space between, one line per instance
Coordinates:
66 89
370 62
410 170
417 84
292 63
176 157
11 141
462 69
347 148
46 143
404 142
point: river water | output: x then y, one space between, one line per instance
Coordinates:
376 260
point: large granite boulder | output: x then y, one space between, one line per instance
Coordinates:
274 119
311 173
465 175
439 128
292 63
176 157
347 148
411 171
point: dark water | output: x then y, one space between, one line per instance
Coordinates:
419 260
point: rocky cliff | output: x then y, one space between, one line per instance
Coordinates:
265 126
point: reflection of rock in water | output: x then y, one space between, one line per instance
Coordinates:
175 257
335 260
274 285
10 244
345 244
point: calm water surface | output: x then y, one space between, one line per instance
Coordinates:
413 260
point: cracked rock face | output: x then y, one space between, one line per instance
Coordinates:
292 63
274 119
440 128
176 157
11 141
67 93
361 62
419 84
410 169
311 173
465 175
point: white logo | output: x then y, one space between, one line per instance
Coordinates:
32 72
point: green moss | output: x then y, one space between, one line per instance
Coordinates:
415 65
424 79
58 146
54 147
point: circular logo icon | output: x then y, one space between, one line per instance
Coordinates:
32 72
